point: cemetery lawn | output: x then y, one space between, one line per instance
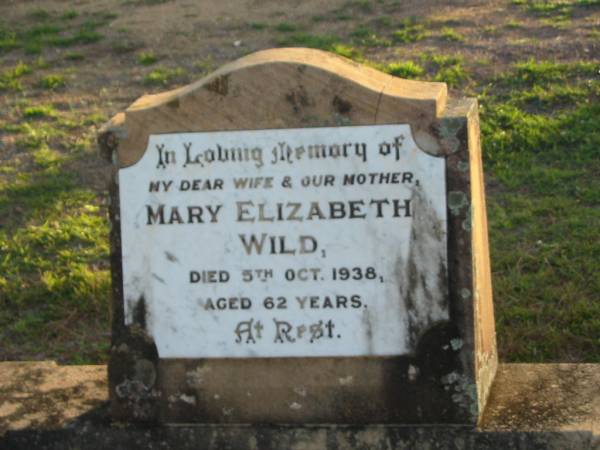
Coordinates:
533 64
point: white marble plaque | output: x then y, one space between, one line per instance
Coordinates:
285 243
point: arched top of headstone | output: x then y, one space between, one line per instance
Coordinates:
278 88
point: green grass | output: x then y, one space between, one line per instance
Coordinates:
47 158
541 141
163 76
556 13
37 135
147 58
53 266
74 56
10 79
514 24
404 69
124 46
286 27
40 14
54 279
451 35
347 52
410 30
320 41
69 14
362 6
85 35
8 39
50 30
258 25
367 37
445 68
39 112
204 65
384 22
52 81
326 42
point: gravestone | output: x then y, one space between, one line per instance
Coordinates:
297 238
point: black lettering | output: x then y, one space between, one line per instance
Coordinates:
208 304
194 276
154 216
242 211
175 217
195 212
379 203
293 214
283 329
337 210
308 244
245 328
253 243
405 207
240 183
213 212
315 210
316 331
355 209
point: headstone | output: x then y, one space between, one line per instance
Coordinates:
297 238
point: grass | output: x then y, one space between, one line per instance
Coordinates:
54 265
40 14
39 112
514 24
556 13
52 81
326 42
70 14
147 58
258 25
74 56
10 78
286 27
163 76
410 30
367 37
404 69
539 127
446 68
54 279
451 35
320 41
125 45
384 22
205 65
50 30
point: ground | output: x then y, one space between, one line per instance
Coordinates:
66 67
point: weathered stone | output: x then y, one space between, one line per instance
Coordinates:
531 406
437 359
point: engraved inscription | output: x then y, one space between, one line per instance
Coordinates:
285 243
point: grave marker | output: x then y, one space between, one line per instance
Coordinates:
299 239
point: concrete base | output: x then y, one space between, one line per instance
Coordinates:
532 406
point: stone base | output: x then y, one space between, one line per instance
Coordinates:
531 406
